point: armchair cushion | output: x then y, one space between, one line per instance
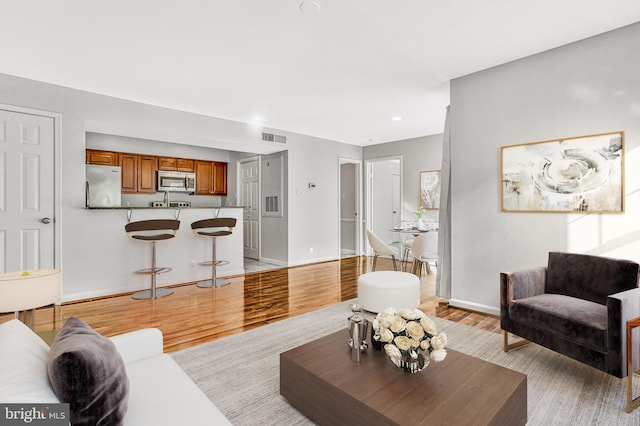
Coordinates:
579 320
589 277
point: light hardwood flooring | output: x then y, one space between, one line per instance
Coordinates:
194 315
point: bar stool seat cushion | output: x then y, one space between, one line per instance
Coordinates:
380 290
156 237
214 233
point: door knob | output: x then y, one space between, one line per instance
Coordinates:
45 220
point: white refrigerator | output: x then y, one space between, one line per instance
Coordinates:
103 186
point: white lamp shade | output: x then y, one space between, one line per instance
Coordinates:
21 291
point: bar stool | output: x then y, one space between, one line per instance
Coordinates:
152 231
214 228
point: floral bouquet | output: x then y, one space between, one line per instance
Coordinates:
408 336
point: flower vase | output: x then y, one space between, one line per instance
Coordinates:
420 224
406 363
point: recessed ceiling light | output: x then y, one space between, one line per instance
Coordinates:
396 118
309 6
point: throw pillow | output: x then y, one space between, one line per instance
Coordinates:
87 371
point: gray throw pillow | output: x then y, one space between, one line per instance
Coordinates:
86 370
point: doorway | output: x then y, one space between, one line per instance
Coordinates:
384 197
350 202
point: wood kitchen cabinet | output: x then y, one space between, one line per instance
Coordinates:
175 164
211 177
138 173
105 158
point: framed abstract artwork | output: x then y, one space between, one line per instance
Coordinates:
430 189
579 174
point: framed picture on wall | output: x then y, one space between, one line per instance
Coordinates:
579 174
430 189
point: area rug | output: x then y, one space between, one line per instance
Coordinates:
240 373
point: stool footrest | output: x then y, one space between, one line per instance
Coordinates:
149 271
218 263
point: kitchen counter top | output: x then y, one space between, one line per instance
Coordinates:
164 208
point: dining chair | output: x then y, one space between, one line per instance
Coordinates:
380 248
406 242
425 250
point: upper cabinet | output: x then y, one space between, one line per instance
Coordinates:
175 164
105 158
211 177
138 173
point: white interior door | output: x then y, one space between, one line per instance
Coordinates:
395 205
384 194
350 206
26 191
250 198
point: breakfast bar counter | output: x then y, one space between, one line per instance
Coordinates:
111 257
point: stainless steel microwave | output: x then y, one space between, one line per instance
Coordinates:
176 181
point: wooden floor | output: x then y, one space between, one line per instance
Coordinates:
194 315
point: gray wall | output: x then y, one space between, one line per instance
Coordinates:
584 88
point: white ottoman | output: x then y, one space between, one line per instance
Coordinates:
380 290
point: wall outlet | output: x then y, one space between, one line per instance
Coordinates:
310 249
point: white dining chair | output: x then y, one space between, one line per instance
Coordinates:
406 242
380 248
425 250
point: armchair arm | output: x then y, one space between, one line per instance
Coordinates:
139 344
621 307
518 285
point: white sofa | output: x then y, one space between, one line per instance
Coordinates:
160 392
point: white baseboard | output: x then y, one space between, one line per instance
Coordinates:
273 261
315 260
492 310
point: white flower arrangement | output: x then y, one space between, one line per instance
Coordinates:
407 335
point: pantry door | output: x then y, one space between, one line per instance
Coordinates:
27 237
250 199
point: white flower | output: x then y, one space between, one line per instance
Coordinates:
424 345
398 324
437 355
386 335
393 352
390 311
439 341
415 330
402 342
408 314
428 325
385 320
375 325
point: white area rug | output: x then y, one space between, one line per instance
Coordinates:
240 373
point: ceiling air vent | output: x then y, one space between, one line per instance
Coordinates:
272 137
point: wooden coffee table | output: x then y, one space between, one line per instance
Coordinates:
320 380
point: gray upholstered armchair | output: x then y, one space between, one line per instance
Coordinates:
577 305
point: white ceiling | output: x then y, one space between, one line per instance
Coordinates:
341 72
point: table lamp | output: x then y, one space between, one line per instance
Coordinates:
26 290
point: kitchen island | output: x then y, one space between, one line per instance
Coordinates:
111 258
